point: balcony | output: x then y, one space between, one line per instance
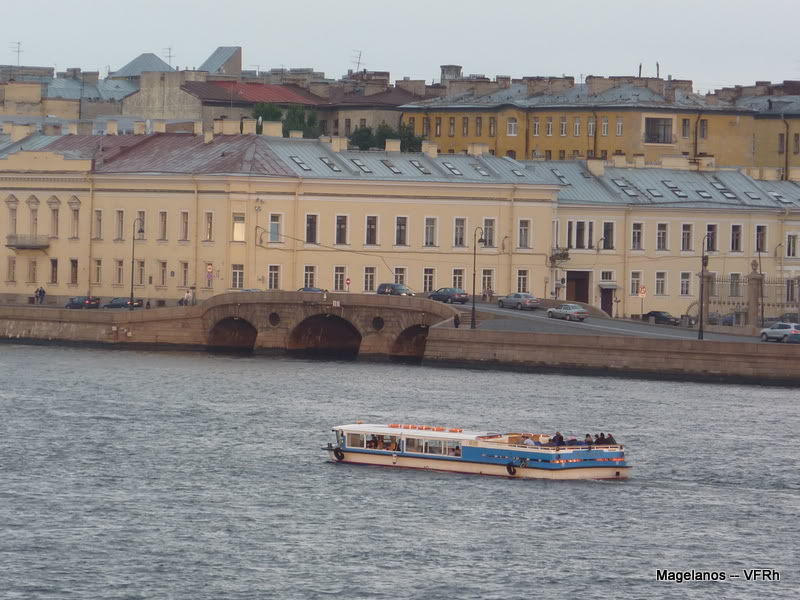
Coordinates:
27 242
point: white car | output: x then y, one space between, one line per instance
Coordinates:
780 332
569 312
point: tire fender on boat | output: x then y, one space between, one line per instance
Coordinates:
394 459
512 470
338 454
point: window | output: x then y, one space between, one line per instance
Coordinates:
76 222
162 225
796 148
311 230
348 127
686 237
428 279
119 272
487 279
98 224
606 275
400 275
736 284
636 282
430 231
451 130
401 231
360 164
686 284
761 238
369 279
562 154
548 154
619 125
478 126
703 129
53 270
184 236
339 275
661 236
465 126
73 271
604 154
32 271
438 130
492 127
458 233
209 275
524 239
608 235
604 126
661 283
208 227
590 125
522 281
536 126
362 123
12 221
341 229
274 228
488 233
11 269
274 277
426 126
119 227
98 270
582 234
237 276
371 238
781 143
658 131
184 274
54 222
310 276
576 127
711 238
685 128
736 238
562 126
458 278
549 126
330 164
511 127
791 245
636 236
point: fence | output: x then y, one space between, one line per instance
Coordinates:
727 300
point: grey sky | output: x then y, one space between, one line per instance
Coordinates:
712 42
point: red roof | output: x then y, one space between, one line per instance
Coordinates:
236 91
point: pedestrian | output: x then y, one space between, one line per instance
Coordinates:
36 295
147 304
187 298
41 295
483 295
490 294
456 321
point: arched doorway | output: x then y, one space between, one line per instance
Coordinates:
325 336
410 344
232 334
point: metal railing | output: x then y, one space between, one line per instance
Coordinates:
27 241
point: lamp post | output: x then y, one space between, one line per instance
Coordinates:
133 251
475 242
703 265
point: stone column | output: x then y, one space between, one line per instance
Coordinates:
754 283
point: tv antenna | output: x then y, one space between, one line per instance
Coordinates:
357 59
17 47
168 55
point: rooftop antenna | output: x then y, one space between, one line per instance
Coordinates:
258 69
357 59
640 70
168 55
17 47
658 71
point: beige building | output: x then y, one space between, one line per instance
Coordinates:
219 211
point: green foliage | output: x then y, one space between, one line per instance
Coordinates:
267 112
363 138
299 119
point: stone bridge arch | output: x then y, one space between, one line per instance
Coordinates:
232 334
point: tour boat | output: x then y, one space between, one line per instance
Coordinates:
518 455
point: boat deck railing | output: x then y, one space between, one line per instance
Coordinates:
611 447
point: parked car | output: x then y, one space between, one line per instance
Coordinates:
450 295
789 318
310 289
395 289
250 290
728 320
83 302
569 312
124 303
661 317
781 332
770 321
519 300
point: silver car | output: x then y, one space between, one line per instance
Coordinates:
520 301
780 332
568 312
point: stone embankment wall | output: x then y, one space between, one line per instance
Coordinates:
615 355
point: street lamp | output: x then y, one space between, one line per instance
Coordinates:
703 265
133 250
475 242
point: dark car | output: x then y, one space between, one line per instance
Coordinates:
789 318
310 289
124 303
83 302
450 295
661 317
395 289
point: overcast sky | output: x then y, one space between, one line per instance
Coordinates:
712 42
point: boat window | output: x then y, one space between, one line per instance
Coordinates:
433 447
381 441
452 447
355 440
414 445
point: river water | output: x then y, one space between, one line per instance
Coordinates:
192 476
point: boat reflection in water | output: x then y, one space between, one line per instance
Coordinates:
519 455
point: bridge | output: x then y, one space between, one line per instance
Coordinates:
338 324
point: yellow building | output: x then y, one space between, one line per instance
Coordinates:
88 215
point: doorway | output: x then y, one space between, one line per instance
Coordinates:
607 301
578 286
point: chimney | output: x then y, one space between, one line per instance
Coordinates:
638 161
51 129
208 136
217 126
231 127
477 148
339 143
90 77
139 127
249 126
504 81
159 126
619 160
272 128
596 166
392 145
19 132
7 126
429 149
112 127
295 133
72 129
198 127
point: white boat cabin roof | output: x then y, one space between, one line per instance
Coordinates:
416 432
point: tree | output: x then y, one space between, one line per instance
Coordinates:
267 112
362 138
299 119
408 141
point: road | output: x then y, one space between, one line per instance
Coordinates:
517 320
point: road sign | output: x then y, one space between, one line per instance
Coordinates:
347 281
642 291
209 268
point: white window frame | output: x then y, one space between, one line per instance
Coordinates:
208 226
310 270
562 126
661 283
686 283
604 126
635 276
428 279
755 238
523 281
576 127
716 237
641 236
369 278
434 230
527 236
275 235
273 277
339 278
549 126
401 275
791 245
511 126
346 241
185 225
691 237
609 244
237 276
458 275
590 126
407 236
536 126
620 123
464 240
163 225
662 241
377 230
489 225
741 238
316 232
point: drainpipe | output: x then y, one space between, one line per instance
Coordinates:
785 150
527 134
625 251
199 224
511 238
297 235
91 233
594 140
696 134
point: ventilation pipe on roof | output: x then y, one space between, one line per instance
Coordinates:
785 174
249 126
208 136
139 127
112 127
19 132
272 129
295 133
72 128
217 126
159 126
392 145
198 127
7 126
477 148
430 149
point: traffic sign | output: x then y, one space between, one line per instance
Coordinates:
209 268
642 291
347 281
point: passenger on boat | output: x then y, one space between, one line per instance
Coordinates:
558 439
381 445
602 439
588 440
529 441
610 439
572 441
458 450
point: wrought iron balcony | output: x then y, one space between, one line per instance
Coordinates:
27 242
